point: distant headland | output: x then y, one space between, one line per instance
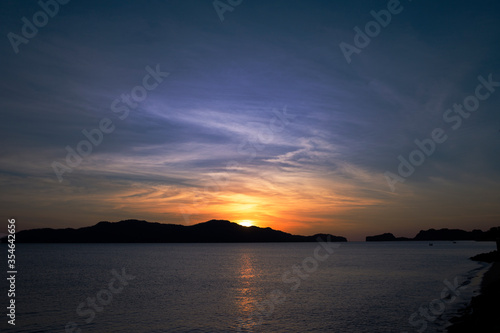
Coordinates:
136 231
442 234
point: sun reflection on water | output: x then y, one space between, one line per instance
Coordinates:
246 289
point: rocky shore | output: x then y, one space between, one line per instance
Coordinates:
483 314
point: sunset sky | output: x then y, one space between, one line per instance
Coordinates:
260 117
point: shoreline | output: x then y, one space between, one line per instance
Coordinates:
481 315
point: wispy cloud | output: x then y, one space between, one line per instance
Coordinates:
323 171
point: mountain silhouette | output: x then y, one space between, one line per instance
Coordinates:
385 238
136 231
443 234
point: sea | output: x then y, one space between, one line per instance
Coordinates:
249 287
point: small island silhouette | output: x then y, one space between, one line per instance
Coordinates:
137 231
442 235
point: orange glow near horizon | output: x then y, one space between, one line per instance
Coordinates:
246 223
294 203
290 210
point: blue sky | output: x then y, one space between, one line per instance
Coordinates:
201 145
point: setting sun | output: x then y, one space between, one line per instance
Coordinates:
246 223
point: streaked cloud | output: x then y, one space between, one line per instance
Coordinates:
201 145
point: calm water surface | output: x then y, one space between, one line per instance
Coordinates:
360 287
